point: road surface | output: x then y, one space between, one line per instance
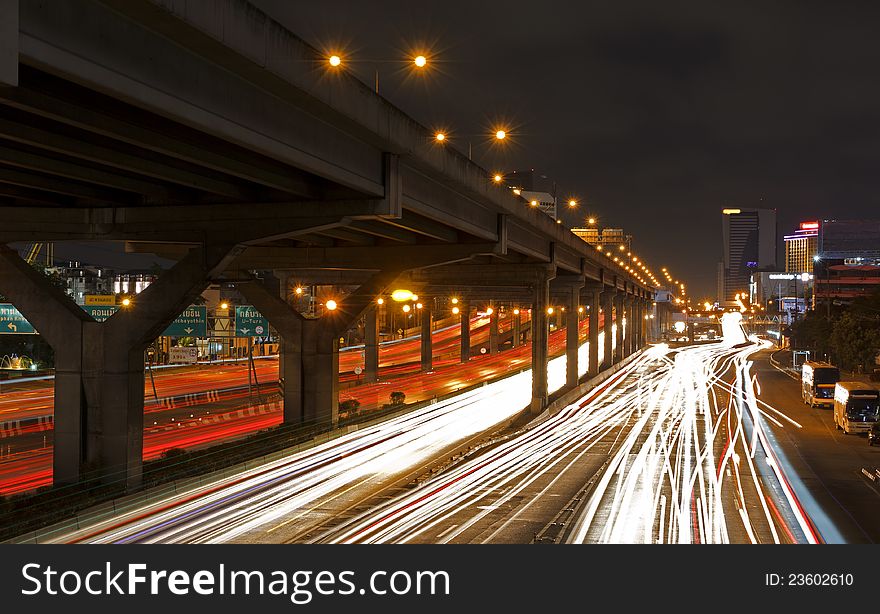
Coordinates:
282 500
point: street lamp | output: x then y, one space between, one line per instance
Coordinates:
335 61
331 305
420 61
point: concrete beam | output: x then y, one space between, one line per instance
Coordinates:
182 175
481 275
48 98
244 223
154 191
372 258
141 52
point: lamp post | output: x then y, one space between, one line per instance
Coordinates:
418 63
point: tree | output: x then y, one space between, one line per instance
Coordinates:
398 397
812 333
349 407
856 341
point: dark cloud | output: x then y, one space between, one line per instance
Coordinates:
656 113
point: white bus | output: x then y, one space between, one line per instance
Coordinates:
855 406
817 383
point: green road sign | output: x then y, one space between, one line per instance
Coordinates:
12 322
191 323
249 322
100 313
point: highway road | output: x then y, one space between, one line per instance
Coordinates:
282 500
25 462
828 462
34 400
679 447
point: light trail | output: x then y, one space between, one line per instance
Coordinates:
249 501
670 478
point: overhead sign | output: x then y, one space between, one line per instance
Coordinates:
249 322
191 323
100 299
100 313
12 322
184 355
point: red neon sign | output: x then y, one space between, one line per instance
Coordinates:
809 225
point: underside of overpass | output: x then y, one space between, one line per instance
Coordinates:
209 135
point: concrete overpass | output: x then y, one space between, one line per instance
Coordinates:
208 133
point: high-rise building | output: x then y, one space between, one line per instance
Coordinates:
847 263
801 247
748 245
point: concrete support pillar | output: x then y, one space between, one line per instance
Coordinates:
493 331
465 335
593 332
571 338
632 327
311 365
618 318
539 341
320 372
99 388
640 324
371 344
643 322
607 300
517 328
427 347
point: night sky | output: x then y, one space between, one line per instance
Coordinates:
654 114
